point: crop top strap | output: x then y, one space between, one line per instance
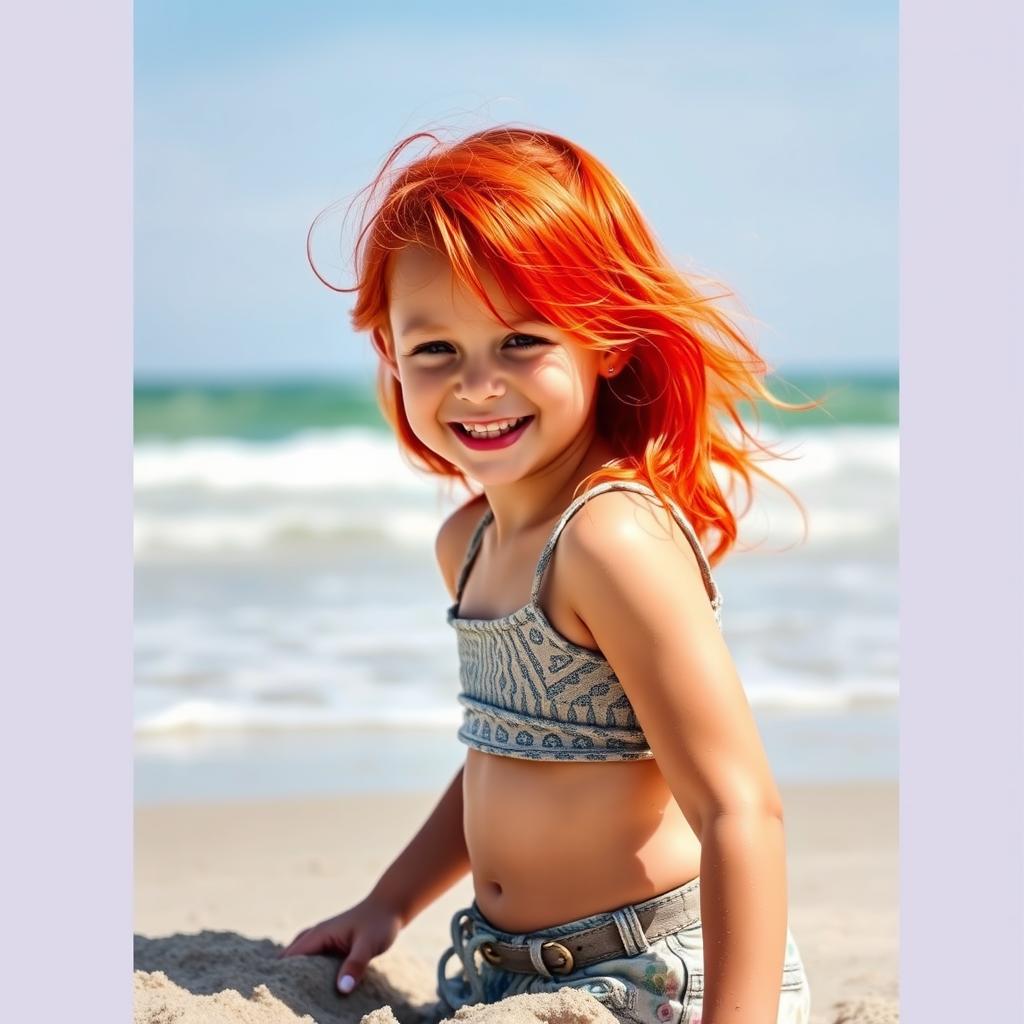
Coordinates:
471 552
639 488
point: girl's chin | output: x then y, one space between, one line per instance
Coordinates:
491 476
486 468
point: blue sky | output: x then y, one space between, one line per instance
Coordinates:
760 141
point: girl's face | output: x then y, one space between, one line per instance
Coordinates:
458 365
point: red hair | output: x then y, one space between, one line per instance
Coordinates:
559 231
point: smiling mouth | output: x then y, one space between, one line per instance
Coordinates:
486 431
493 438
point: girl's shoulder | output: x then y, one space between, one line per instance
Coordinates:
618 512
617 532
454 536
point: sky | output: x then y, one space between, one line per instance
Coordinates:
760 142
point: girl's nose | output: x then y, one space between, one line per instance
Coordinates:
479 382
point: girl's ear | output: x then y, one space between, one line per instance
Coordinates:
381 338
612 361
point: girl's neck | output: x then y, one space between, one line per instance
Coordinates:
527 504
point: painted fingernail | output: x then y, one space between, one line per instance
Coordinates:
346 984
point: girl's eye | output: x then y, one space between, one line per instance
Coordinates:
527 340
515 341
431 348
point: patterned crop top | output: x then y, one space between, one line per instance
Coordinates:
529 692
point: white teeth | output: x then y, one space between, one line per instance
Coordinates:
495 429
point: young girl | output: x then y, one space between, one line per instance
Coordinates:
615 808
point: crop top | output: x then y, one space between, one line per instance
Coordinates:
527 691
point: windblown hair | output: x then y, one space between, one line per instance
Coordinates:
560 233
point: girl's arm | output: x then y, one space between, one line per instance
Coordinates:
634 580
434 860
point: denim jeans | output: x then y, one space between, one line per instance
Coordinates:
660 984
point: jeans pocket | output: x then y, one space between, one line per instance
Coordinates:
618 996
794 993
646 988
656 983
688 946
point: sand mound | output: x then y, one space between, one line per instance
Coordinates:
159 1001
566 1006
221 977
225 978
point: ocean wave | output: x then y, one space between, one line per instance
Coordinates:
212 531
311 462
264 531
227 716
191 715
335 489
333 460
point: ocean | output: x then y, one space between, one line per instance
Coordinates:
290 634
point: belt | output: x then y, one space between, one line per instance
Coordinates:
623 932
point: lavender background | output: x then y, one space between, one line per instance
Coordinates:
67 615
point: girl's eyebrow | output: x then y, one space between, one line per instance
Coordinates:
422 323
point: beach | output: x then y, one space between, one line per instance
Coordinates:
295 708
221 886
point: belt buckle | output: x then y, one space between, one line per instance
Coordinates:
566 966
490 954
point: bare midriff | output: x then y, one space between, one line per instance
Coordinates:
553 841
550 842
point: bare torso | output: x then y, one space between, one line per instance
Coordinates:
548 841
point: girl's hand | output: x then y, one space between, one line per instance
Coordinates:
357 935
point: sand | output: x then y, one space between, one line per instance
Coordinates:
219 888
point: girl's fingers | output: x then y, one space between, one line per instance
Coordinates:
293 948
354 967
